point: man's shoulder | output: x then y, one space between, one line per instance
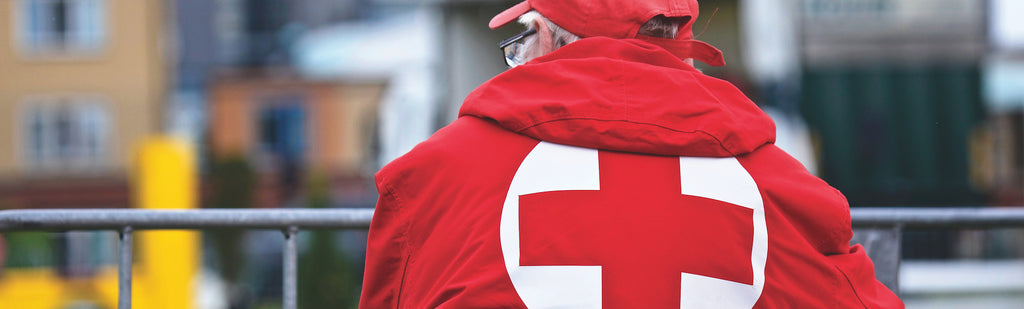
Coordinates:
816 209
468 144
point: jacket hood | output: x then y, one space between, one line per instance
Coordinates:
622 95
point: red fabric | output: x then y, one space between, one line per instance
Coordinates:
637 270
660 106
689 49
608 18
434 241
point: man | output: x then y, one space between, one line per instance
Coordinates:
604 171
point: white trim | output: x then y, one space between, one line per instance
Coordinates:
73 50
725 179
550 167
77 161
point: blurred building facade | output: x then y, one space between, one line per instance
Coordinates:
287 126
273 135
899 101
893 89
897 94
238 96
1003 84
82 81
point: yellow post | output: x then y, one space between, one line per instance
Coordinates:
168 261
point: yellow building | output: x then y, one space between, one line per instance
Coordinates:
81 86
81 82
166 264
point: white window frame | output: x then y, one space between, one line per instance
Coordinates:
86 35
91 124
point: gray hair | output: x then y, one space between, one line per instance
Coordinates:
531 46
659 27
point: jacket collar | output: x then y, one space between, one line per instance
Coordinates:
623 95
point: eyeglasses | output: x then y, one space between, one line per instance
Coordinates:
511 48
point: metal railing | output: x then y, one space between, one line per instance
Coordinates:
879 229
126 221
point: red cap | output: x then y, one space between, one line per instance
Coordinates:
620 19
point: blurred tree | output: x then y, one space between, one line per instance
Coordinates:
29 249
3 247
233 181
3 255
327 278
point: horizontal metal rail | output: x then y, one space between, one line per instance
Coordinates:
198 219
879 229
359 218
952 218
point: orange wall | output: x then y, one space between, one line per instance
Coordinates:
339 128
230 120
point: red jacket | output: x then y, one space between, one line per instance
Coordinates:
611 174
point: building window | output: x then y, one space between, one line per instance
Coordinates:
80 254
63 26
66 133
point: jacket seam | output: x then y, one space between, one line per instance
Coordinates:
718 100
403 238
720 143
837 234
852 288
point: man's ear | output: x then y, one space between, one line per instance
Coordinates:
544 37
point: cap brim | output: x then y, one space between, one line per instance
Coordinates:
509 15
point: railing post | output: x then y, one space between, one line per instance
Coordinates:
124 269
290 268
884 245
